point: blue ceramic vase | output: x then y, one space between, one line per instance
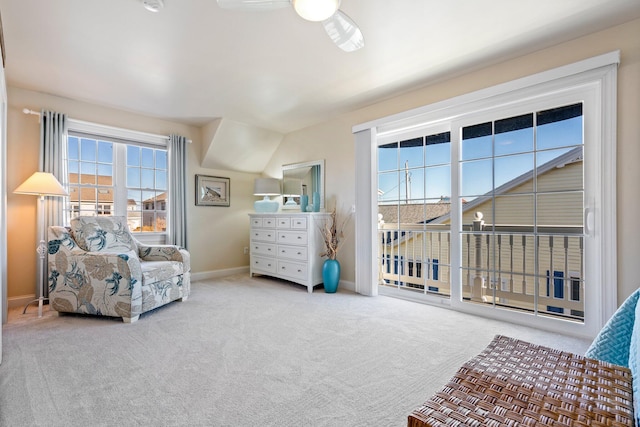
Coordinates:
316 201
304 202
331 275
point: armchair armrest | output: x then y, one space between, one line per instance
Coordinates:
164 253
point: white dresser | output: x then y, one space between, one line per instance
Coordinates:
288 246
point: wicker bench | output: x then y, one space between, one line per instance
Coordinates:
516 383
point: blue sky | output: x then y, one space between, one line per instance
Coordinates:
91 157
516 152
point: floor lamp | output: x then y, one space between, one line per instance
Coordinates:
41 184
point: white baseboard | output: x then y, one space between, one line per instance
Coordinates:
23 300
214 274
20 301
348 285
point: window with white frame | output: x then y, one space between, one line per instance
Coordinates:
565 195
109 174
146 189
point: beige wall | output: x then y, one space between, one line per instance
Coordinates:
217 235
333 140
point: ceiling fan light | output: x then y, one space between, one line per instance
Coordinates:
153 5
344 32
316 10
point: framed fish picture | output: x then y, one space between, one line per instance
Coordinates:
213 191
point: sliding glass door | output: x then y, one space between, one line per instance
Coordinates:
493 210
414 189
521 202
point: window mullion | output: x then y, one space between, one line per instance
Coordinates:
120 178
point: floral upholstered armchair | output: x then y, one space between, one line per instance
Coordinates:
96 266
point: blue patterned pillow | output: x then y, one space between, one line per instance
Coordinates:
634 365
619 343
614 340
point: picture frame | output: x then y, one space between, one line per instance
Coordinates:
213 191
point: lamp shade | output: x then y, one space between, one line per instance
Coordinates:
41 184
266 187
292 187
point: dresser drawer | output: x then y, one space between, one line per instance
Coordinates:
256 222
299 223
268 265
258 248
269 222
294 270
263 235
292 237
292 252
284 222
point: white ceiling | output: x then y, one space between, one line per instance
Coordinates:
194 62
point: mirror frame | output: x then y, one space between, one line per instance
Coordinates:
293 166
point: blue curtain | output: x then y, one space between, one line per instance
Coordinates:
178 191
53 146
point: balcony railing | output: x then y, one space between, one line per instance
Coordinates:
537 269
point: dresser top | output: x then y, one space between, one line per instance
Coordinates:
292 213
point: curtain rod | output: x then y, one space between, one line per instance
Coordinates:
36 113
27 111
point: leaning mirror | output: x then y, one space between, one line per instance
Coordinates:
302 178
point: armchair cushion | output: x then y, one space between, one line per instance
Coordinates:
103 234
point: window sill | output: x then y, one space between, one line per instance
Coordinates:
150 238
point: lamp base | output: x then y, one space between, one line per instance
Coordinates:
40 302
290 202
266 205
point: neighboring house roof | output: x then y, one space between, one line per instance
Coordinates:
439 213
413 213
160 197
572 156
88 194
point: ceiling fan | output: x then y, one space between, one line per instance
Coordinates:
340 28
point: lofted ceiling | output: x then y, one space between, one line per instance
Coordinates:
196 63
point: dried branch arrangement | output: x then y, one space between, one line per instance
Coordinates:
333 234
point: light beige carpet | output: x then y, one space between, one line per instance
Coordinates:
243 352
